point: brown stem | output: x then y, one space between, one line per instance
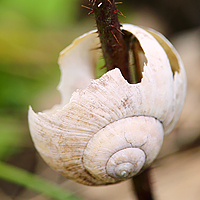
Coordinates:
115 50
142 185
116 46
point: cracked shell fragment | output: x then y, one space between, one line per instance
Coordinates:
109 109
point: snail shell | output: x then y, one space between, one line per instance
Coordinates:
109 130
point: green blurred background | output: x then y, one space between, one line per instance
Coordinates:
32 33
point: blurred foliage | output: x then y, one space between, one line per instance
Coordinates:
10 136
32 33
46 13
100 67
27 57
34 182
26 46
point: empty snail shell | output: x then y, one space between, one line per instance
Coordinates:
107 130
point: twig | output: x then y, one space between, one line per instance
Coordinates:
114 48
142 185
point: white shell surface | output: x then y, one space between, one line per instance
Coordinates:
62 134
130 141
180 79
77 63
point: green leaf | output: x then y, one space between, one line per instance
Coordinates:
34 182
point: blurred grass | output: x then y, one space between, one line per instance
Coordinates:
34 182
11 134
32 33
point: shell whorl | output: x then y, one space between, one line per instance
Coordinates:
125 163
122 148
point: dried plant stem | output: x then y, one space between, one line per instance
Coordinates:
142 185
114 48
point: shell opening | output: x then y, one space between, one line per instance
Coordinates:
169 50
137 58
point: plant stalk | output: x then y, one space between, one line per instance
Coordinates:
115 50
143 186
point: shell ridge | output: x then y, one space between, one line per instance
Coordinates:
104 105
69 114
96 90
59 157
81 106
48 153
114 113
110 89
122 95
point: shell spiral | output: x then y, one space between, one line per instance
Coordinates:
109 130
123 148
